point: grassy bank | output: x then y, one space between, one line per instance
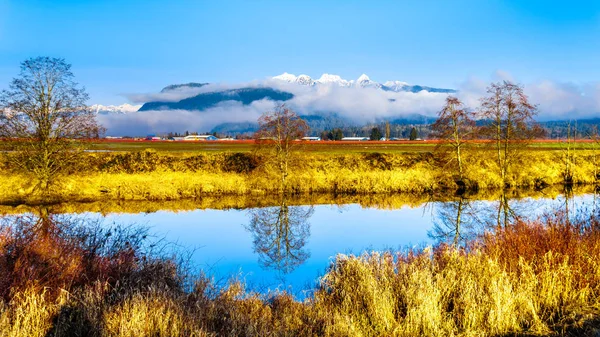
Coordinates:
63 278
150 175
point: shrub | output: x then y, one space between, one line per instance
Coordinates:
240 162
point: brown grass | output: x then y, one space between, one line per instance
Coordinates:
528 278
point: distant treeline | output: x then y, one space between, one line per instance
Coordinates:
401 128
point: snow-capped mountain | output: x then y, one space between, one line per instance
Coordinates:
291 78
334 79
362 82
114 109
305 80
395 85
246 95
365 82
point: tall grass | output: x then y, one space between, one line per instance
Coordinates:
528 278
149 175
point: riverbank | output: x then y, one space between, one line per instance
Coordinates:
149 175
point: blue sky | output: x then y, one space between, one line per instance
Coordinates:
120 47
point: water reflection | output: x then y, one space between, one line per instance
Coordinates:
288 242
460 220
280 234
379 201
454 222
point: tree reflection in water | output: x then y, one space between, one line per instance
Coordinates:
454 222
280 234
462 219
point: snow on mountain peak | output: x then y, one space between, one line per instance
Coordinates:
362 82
363 78
333 79
286 77
119 109
305 80
395 84
365 81
329 78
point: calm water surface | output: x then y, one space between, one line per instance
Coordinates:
290 247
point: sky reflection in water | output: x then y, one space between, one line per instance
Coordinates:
225 247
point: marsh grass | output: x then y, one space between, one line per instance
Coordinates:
528 278
151 175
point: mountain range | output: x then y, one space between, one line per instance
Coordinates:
327 102
362 82
247 95
207 100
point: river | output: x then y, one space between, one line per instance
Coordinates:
288 243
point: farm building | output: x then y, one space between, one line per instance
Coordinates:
355 138
200 137
311 138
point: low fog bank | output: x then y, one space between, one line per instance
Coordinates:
555 101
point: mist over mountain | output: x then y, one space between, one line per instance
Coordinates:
329 101
204 101
325 121
271 90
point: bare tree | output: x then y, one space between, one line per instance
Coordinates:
454 126
44 114
278 132
511 125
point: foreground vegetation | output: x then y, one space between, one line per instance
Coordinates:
65 277
150 175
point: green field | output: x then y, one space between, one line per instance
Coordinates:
315 147
247 146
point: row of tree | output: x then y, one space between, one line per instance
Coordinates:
509 117
387 131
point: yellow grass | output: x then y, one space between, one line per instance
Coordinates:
526 279
168 177
149 316
28 314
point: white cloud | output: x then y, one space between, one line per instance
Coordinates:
357 104
565 100
366 104
555 101
180 93
162 121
